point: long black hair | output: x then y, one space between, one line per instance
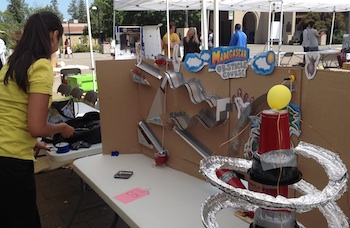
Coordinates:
34 44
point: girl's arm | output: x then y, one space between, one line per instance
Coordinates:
37 116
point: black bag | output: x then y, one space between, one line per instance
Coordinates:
61 111
87 129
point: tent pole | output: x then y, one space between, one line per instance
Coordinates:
280 36
269 29
272 21
216 23
113 40
331 38
202 27
168 27
90 41
208 23
205 25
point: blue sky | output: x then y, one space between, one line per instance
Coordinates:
62 5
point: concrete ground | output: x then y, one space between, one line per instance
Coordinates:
58 190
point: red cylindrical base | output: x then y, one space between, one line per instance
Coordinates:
274 136
274 131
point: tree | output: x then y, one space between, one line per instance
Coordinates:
82 12
54 8
13 19
105 13
73 10
18 10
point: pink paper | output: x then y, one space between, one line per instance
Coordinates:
131 195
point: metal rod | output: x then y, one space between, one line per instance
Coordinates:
151 136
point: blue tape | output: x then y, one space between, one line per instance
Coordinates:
62 147
115 153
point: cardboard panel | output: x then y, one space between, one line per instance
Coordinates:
119 106
323 101
325 108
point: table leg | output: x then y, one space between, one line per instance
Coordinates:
82 191
77 209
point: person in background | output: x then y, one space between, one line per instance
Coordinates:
174 39
26 82
304 43
69 48
239 38
310 38
210 39
2 53
66 47
191 42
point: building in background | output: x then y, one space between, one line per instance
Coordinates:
255 25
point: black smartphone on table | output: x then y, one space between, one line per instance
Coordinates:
123 174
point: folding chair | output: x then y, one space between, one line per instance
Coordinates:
68 71
64 89
288 56
90 98
77 93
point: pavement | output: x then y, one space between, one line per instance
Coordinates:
58 193
85 58
58 190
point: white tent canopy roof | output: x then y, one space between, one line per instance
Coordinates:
241 5
158 5
288 5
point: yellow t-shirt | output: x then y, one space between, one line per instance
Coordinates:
173 38
15 139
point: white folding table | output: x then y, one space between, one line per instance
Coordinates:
174 198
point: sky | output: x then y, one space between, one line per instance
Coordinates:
62 5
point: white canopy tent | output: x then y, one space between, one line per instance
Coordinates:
162 5
224 5
285 6
288 5
234 5
231 5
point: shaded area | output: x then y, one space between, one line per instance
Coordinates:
58 192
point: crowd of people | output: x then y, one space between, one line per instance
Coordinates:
191 42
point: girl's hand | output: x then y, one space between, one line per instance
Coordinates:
67 131
40 145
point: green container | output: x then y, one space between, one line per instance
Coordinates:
83 81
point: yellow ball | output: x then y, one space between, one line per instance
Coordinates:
278 97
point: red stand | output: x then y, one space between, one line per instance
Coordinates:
274 136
